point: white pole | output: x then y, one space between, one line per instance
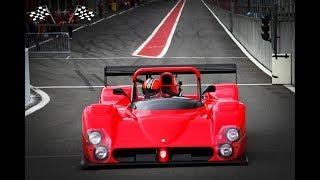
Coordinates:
27 77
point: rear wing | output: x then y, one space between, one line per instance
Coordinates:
202 68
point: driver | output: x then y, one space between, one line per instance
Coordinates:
151 88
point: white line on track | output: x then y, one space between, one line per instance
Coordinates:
78 28
97 21
44 100
93 22
292 88
217 57
130 57
185 85
110 16
166 47
256 62
42 43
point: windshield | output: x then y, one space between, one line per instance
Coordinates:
167 103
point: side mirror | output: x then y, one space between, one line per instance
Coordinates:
210 88
120 91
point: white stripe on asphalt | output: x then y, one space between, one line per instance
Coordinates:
78 28
110 16
44 100
130 57
256 62
217 57
93 22
292 88
97 21
41 43
166 47
267 71
184 85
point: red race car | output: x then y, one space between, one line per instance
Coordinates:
157 124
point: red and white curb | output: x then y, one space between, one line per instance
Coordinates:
158 42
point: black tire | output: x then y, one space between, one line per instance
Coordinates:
83 163
244 160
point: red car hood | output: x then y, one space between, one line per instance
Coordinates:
154 128
165 125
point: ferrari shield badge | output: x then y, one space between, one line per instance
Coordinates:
163 154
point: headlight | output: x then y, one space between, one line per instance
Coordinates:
225 150
94 137
101 152
233 134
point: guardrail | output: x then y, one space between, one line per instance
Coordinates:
51 42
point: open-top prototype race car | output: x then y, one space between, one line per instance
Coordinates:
126 128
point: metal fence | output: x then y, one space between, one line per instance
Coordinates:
258 8
286 10
254 8
247 27
51 42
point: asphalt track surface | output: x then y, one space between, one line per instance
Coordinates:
52 134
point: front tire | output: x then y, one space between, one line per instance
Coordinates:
83 163
244 159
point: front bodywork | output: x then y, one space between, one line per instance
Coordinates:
162 135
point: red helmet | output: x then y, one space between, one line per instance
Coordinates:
151 87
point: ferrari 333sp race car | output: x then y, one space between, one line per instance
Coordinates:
126 128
